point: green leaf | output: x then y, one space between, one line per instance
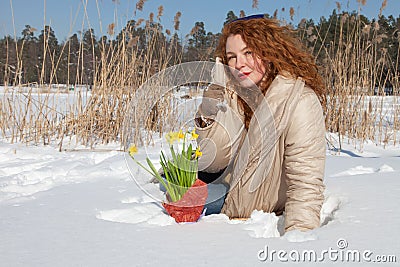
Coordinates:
157 175
180 170
189 152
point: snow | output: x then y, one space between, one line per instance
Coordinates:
83 208
262 225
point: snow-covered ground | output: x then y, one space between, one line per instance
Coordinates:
83 208
51 100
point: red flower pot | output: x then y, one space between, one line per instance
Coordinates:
190 206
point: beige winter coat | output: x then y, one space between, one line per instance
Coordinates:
278 165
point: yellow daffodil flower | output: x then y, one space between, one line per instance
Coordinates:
171 137
133 150
180 135
198 153
194 135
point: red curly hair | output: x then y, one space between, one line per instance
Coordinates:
280 51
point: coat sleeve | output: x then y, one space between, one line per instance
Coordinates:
219 141
304 164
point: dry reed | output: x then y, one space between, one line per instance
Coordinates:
46 115
354 69
176 20
255 4
291 13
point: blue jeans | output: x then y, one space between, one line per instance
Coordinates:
216 197
216 192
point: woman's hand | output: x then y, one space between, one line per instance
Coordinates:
212 96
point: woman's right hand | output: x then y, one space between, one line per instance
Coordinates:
212 96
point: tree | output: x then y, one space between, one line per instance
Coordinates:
196 43
8 60
230 16
48 51
48 37
89 56
175 48
28 55
28 33
73 50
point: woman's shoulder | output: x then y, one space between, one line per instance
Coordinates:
287 78
284 78
307 91
280 86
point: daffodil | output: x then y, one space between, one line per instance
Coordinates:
180 169
194 135
133 150
180 135
198 153
171 137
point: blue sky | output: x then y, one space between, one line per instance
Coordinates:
68 16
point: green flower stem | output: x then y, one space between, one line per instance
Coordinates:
180 171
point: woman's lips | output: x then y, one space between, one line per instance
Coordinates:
243 75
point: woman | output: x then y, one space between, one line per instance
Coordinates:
268 140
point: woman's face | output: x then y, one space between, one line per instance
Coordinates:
245 66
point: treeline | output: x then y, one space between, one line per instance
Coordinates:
44 59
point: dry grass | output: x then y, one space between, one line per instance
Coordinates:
34 117
355 73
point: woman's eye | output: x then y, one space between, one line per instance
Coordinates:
248 53
230 58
